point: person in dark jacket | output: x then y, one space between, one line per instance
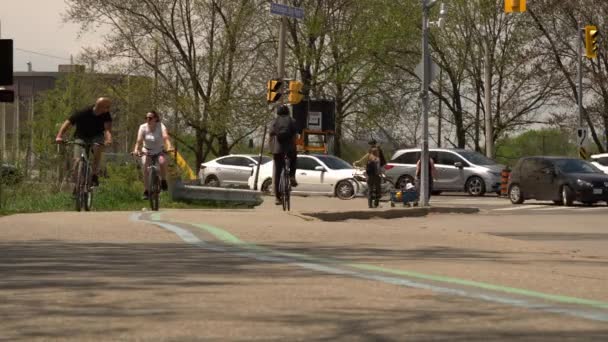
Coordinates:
373 171
283 134
93 126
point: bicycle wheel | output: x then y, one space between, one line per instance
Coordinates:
285 191
154 188
87 194
79 184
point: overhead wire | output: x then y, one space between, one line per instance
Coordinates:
42 54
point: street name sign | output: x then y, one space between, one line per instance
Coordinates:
287 11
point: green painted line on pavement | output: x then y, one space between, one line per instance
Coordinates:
229 238
485 286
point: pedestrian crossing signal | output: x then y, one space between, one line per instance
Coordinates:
591 44
295 92
273 93
515 6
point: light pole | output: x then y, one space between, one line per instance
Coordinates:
424 94
488 97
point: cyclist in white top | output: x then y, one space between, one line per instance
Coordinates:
154 139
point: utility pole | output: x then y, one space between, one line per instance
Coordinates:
440 114
488 99
280 76
16 133
424 156
579 57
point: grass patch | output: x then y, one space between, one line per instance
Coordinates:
121 191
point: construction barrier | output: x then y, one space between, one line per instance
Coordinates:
504 181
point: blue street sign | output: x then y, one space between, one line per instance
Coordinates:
287 11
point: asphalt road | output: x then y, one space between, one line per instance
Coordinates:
268 275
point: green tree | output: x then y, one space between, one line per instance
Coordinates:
550 141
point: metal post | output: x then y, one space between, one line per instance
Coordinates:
488 100
2 131
16 123
281 76
580 73
424 156
440 114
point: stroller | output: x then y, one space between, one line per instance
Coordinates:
408 196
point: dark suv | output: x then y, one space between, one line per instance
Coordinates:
559 179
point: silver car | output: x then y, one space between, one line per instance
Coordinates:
229 171
457 170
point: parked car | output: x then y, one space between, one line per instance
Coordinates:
558 179
229 171
316 174
457 170
600 161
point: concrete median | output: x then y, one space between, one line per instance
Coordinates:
393 213
230 197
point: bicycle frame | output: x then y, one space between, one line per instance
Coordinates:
82 172
153 177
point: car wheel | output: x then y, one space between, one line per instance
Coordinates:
588 203
567 196
435 193
403 180
515 194
212 181
476 186
266 187
558 202
345 190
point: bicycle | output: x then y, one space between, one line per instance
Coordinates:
153 176
285 186
83 190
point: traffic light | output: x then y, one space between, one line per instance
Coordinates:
591 45
6 62
274 90
515 6
295 92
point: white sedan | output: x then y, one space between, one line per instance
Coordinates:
600 161
229 171
316 174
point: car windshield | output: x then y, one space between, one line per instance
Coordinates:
265 159
334 163
576 166
476 158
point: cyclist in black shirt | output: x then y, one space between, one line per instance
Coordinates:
93 126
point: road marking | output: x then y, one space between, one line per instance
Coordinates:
332 266
521 207
557 207
594 208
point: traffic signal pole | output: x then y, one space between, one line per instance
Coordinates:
280 76
579 56
426 67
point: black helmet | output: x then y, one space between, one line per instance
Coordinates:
282 110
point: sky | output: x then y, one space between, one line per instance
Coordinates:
37 26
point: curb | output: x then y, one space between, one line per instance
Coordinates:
328 216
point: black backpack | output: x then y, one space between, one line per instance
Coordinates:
282 128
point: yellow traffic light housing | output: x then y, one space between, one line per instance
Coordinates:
591 44
517 6
295 92
274 90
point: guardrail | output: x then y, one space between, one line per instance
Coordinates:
238 197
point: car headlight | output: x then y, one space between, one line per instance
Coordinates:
583 183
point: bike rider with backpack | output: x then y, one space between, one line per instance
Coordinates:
283 133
